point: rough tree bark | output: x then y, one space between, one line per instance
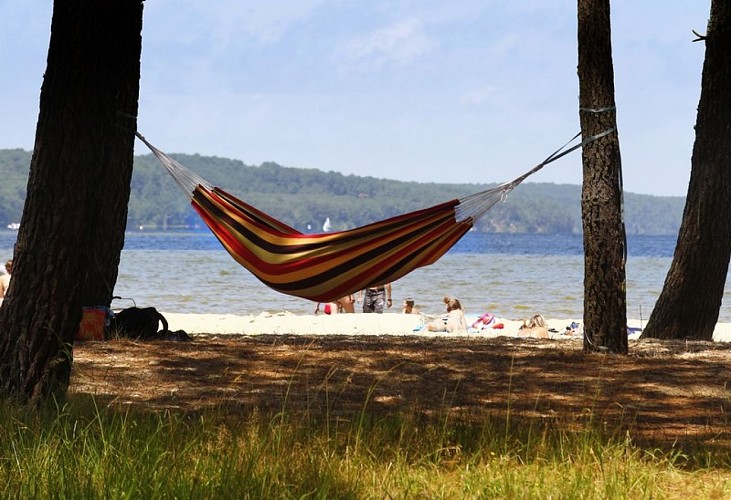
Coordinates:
605 305
72 229
690 300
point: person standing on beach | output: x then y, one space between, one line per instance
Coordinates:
375 298
347 304
5 280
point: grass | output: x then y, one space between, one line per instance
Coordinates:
81 451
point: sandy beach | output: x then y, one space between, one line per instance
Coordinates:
287 323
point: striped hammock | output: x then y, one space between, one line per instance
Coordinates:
325 267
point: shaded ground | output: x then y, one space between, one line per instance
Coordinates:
661 390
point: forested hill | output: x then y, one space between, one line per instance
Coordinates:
304 198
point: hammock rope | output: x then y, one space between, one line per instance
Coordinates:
324 267
476 205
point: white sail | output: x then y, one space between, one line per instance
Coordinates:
327 226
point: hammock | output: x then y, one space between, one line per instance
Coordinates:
325 267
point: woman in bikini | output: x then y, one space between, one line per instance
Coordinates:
454 321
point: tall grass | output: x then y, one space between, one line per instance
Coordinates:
81 451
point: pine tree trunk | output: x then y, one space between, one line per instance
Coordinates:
691 297
78 189
110 189
605 306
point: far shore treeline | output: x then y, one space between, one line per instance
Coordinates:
304 198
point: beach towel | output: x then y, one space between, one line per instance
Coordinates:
483 321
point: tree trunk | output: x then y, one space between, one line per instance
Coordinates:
690 300
72 229
605 305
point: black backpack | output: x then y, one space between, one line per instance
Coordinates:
142 323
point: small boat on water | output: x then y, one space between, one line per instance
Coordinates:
327 226
14 226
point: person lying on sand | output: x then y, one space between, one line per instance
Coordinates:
534 327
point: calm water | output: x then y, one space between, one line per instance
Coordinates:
511 276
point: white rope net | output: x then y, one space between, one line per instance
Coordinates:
186 179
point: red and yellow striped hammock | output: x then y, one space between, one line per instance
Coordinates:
325 267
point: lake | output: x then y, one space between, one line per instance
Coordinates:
511 276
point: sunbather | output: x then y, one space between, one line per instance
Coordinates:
534 327
453 321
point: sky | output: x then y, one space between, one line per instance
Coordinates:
459 91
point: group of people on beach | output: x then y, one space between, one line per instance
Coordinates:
376 299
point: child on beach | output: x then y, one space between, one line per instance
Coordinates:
409 307
454 321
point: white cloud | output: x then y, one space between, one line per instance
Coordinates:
394 45
478 96
265 22
224 25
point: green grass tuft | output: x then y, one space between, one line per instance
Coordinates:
82 451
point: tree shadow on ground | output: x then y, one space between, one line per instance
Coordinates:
664 391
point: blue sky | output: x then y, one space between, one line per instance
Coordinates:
429 91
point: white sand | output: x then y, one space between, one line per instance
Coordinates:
359 324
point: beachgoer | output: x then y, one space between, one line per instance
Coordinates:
342 305
534 327
375 298
453 321
347 304
328 308
574 329
409 307
5 280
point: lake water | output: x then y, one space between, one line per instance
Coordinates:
511 276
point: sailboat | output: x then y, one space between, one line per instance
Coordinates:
327 226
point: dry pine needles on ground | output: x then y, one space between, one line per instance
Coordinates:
661 390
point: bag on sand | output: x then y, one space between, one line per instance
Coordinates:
94 323
142 323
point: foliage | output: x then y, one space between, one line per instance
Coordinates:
303 198
14 167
